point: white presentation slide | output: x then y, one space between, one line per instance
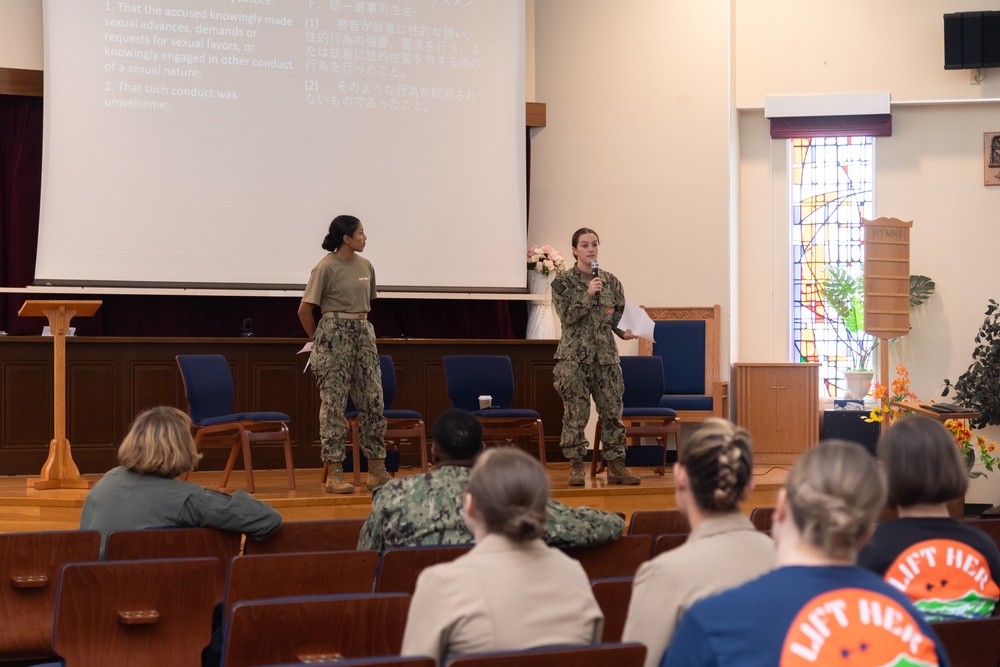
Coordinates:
209 143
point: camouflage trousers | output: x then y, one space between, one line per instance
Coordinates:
344 359
576 383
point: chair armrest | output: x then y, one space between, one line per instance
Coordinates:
720 399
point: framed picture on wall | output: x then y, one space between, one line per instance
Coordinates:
991 158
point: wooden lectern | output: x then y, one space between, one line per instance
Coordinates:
59 471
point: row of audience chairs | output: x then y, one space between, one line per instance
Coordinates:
159 612
115 609
293 562
32 576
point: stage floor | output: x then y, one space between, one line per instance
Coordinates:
24 509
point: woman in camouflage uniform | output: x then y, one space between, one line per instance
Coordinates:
590 307
344 357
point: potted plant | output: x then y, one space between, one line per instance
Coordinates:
843 292
978 388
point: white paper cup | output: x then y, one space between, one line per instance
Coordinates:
485 402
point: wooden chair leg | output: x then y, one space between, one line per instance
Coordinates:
595 461
289 462
541 442
677 437
356 451
247 461
423 448
231 462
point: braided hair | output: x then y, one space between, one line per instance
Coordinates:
718 460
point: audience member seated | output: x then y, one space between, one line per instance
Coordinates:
724 549
143 491
817 607
426 509
511 591
947 568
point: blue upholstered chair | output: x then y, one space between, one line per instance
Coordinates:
472 376
687 340
400 423
642 414
208 386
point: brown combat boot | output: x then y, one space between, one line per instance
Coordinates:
377 474
335 482
619 474
576 472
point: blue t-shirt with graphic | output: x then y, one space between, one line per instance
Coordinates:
799 615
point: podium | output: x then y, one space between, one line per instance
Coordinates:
59 471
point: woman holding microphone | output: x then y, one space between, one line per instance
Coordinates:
590 303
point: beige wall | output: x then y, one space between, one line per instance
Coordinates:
790 47
21 34
637 142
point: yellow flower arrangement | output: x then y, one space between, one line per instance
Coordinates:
972 447
888 410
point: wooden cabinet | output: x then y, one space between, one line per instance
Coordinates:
779 405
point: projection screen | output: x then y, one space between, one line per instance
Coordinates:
200 143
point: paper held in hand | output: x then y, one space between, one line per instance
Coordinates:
306 349
636 319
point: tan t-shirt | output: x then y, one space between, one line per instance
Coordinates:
339 286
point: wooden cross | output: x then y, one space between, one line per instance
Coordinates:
777 405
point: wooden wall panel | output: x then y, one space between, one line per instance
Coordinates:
27 404
92 404
152 383
113 379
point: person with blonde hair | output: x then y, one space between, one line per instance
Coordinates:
817 607
143 491
946 567
714 474
511 591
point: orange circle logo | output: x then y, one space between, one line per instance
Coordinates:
853 626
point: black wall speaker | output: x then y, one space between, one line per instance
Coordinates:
953 41
991 39
971 40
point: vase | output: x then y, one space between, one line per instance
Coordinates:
858 383
542 321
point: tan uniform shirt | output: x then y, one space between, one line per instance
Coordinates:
339 286
721 553
502 596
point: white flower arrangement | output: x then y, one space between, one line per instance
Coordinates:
545 260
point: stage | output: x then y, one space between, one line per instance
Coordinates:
24 509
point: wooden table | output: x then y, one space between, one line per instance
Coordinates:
918 408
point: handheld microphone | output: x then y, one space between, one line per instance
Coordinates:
595 266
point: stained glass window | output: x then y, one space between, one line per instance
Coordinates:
831 191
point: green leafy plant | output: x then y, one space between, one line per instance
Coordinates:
843 292
978 388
